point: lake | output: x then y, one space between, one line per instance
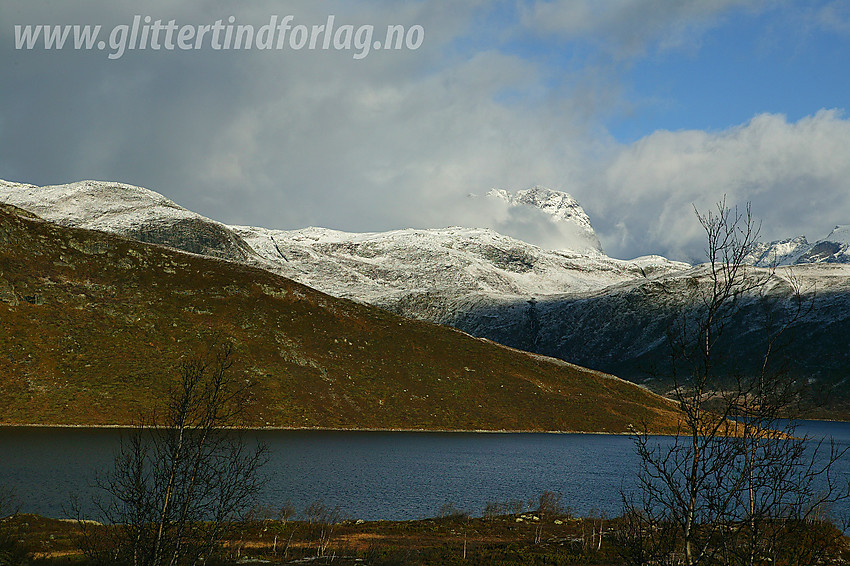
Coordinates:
368 475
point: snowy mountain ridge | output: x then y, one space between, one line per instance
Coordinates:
835 248
421 273
130 211
404 270
93 204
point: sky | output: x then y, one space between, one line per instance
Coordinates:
640 109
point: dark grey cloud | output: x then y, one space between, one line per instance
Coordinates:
277 138
286 139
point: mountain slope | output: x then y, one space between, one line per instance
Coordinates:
623 329
92 325
607 314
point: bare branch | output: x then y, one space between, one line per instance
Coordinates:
737 483
179 483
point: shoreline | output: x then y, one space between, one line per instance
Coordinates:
6 426
324 429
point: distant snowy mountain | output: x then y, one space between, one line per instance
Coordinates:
835 248
779 252
562 210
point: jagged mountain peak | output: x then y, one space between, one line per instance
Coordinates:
558 204
563 211
835 248
840 234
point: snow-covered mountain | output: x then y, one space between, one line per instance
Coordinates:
432 274
128 210
429 274
581 306
835 248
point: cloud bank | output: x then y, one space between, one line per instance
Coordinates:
796 175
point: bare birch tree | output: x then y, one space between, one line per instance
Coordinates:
180 481
737 484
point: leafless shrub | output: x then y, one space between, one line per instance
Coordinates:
449 511
179 482
737 484
324 520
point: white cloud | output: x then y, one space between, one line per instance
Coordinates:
796 174
832 16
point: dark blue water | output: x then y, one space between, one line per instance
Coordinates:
368 475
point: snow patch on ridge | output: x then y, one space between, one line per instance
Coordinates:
97 205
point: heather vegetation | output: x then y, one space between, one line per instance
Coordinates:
93 324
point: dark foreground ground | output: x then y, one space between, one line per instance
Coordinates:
514 539
503 540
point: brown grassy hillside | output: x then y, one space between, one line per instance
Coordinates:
93 325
